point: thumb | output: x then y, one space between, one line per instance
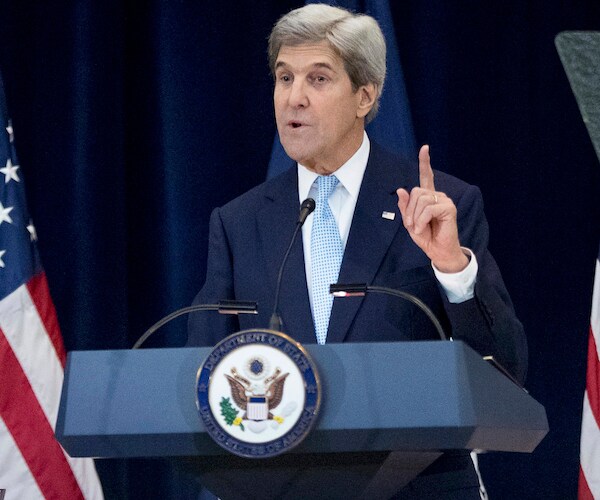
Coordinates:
403 199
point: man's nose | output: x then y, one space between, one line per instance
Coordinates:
298 97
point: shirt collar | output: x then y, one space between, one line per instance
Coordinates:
350 174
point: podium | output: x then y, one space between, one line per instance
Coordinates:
388 411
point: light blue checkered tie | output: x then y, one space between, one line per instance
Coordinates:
326 252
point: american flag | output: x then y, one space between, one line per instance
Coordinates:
32 356
589 473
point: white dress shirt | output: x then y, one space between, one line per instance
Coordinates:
459 287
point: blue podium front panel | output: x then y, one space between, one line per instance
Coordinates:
376 397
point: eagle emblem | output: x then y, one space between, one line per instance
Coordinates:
256 396
258 393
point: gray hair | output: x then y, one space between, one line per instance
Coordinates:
356 38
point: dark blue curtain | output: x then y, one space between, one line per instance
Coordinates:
134 119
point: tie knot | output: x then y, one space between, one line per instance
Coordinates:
326 185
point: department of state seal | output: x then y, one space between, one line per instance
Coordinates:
258 393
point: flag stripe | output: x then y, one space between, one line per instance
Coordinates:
31 431
87 477
593 374
584 492
589 477
40 294
25 333
590 449
15 476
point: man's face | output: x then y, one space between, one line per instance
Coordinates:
319 117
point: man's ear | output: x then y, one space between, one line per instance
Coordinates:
367 94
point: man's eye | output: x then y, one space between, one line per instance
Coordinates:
320 79
285 78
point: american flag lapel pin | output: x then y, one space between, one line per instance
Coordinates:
388 215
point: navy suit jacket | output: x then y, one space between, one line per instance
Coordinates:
249 236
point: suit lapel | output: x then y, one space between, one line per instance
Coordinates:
370 234
276 224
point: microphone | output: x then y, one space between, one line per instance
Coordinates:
361 289
223 307
306 208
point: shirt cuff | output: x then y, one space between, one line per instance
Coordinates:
459 287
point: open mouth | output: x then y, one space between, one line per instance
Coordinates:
294 124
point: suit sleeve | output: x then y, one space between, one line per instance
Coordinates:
487 322
208 328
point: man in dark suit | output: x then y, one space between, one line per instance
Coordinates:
394 226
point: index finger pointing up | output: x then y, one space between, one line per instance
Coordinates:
425 170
